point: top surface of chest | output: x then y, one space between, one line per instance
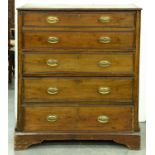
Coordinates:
78 7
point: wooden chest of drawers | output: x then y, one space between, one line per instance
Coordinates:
78 72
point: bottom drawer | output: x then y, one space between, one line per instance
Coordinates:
105 119
49 118
85 118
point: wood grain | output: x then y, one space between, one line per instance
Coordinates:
25 139
78 118
35 118
77 89
39 39
120 118
136 72
118 19
19 124
70 64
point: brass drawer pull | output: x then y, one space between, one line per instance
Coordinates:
52 90
53 40
52 62
104 19
104 63
105 40
52 19
104 90
103 119
52 118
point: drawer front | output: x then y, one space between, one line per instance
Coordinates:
78 40
78 64
79 88
102 19
47 118
105 118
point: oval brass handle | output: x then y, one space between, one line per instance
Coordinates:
104 90
105 40
52 90
104 63
104 19
52 19
103 119
53 40
52 118
52 62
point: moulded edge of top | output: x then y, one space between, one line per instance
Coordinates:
77 7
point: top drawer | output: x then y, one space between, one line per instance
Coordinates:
101 19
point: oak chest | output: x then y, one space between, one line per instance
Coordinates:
78 72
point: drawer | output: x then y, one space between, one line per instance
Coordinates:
77 88
46 118
108 118
78 40
75 64
102 19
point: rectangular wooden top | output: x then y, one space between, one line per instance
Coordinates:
77 7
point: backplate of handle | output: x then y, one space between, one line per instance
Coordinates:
104 90
103 119
52 62
52 90
52 118
104 40
52 19
104 19
53 40
104 63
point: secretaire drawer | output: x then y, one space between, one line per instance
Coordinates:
77 88
75 64
49 118
103 19
78 40
107 118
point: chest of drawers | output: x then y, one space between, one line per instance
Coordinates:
78 72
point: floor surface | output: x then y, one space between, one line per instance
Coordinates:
69 148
